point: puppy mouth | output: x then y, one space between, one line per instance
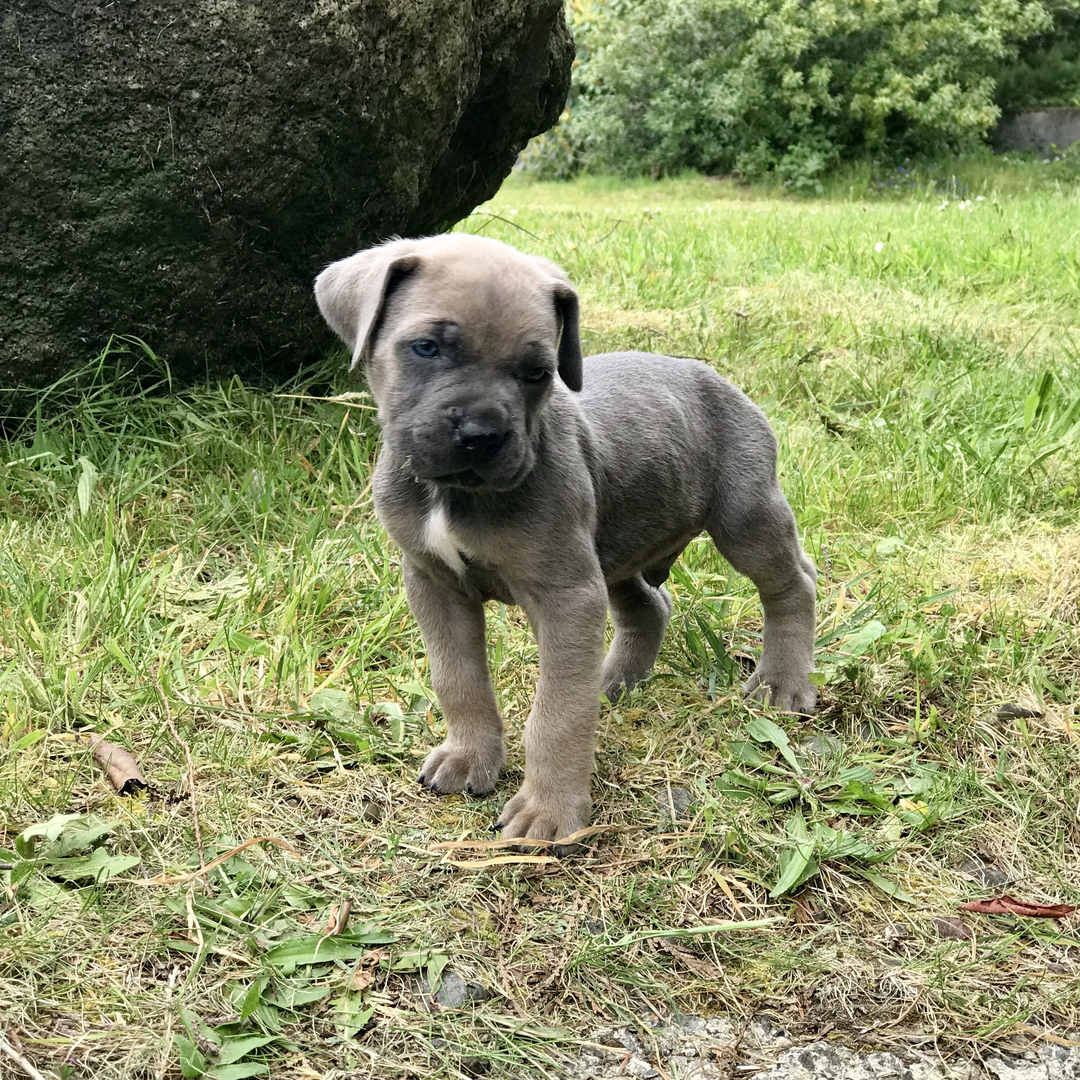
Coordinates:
475 480
467 479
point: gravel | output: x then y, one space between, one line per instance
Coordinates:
696 1048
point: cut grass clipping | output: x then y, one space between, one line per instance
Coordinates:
197 578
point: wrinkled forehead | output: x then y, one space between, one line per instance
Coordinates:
497 302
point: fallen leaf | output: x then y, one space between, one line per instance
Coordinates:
1009 905
339 917
954 928
362 979
696 965
120 767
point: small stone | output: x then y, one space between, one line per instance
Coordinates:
954 928
455 993
596 927
640 1068
974 867
720 1028
896 932
1011 711
371 812
674 804
691 1024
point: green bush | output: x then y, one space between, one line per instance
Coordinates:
784 87
1047 70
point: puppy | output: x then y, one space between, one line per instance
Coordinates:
513 469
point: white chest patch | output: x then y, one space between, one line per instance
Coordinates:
440 540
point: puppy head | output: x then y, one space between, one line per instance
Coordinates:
461 339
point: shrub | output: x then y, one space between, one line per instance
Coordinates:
1047 69
784 85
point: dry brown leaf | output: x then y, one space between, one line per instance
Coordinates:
362 978
1009 905
954 928
120 767
696 965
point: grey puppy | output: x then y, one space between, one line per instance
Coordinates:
514 470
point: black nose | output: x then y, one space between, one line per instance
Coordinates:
480 439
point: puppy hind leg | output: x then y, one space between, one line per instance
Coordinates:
760 540
640 614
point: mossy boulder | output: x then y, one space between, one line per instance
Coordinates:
179 170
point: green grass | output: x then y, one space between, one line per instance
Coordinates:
201 571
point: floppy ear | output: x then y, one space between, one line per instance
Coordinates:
566 304
352 293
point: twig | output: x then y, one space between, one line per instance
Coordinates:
618 222
498 217
522 841
191 773
9 1051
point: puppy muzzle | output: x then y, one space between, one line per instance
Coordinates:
472 453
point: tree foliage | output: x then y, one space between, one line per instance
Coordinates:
785 85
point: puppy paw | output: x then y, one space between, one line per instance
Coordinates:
528 815
783 691
618 684
457 767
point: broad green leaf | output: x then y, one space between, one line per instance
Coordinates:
238 1071
335 703
294 997
192 1063
1031 405
797 863
87 480
251 999
351 1014
839 844
98 866
435 967
763 730
889 546
28 740
890 888
746 753
864 637
411 961
863 773
27 841
315 949
233 1049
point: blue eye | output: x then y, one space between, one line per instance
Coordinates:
426 348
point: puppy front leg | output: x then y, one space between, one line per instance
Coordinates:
554 800
452 626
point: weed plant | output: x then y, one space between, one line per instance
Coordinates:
199 572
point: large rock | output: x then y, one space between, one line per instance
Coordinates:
179 170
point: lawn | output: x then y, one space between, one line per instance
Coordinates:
198 577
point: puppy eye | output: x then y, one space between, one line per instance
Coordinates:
535 375
426 348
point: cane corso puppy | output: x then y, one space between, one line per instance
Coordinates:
513 469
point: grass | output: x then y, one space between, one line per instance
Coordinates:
198 572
